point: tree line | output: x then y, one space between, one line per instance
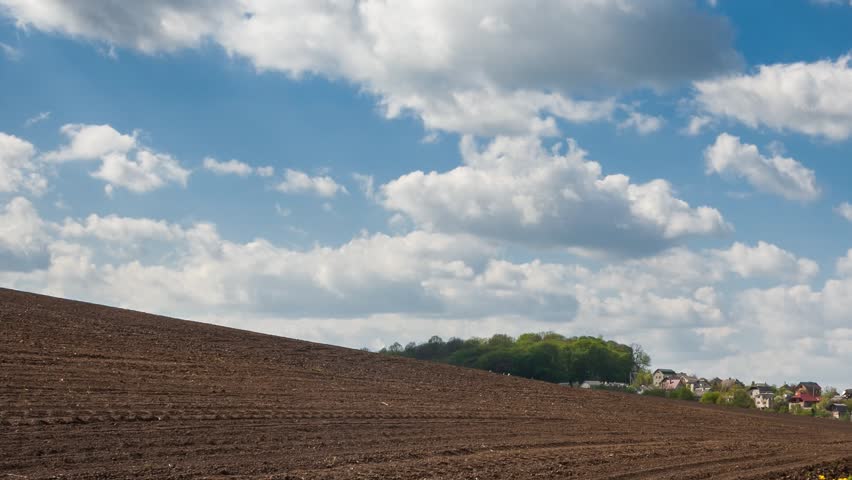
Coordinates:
542 356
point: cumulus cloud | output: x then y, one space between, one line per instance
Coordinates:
23 237
19 170
680 304
696 125
776 175
91 142
230 167
844 210
159 25
811 98
125 162
236 167
515 190
768 260
300 182
480 67
643 124
844 264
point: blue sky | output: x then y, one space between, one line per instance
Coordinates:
727 246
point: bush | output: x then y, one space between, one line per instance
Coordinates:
711 397
682 393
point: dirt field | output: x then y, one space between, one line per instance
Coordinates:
95 392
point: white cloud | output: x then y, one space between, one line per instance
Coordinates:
10 52
165 25
810 98
21 228
767 260
266 171
844 210
679 304
231 167
91 142
697 123
777 175
19 171
149 171
236 167
643 124
300 182
514 190
367 185
844 265
40 117
113 228
480 67
124 161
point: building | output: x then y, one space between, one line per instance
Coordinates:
763 396
672 383
661 374
803 400
847 394
699 387
811 388
591 384
838 410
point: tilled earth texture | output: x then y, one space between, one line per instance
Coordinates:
94 392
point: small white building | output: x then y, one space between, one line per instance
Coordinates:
661 374
591 384
763 396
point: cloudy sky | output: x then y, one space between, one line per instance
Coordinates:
671 173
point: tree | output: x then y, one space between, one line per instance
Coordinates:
741 398
544 356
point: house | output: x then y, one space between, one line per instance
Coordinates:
672 384
847 394
661 374
838 409
811 388
763 396
699 387
803 400
591 384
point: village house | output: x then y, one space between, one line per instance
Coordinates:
672 384
762 395
661 374
699 387
806 395
837 409
811 388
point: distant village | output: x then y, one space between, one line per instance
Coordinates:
803 398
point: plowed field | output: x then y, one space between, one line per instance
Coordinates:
94 392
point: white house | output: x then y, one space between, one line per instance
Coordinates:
661 374
763 396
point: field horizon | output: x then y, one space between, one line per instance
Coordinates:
93 392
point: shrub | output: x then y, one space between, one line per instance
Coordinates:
710 397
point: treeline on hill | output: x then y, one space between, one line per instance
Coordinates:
542 356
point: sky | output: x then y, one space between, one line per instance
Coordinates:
669 173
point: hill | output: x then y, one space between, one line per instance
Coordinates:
88 391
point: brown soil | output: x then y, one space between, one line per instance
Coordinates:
94 392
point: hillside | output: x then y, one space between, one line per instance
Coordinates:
94 392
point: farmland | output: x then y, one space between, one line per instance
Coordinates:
95 392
